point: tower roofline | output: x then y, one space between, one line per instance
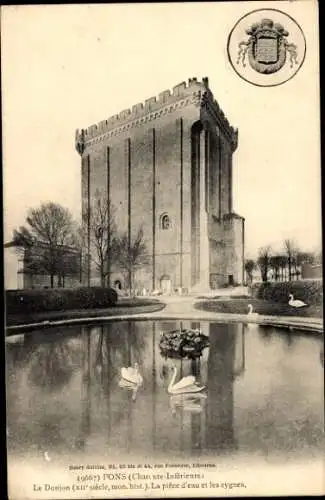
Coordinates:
198 90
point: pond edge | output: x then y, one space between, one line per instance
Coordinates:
312 325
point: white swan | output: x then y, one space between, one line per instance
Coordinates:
295 302
131 379
185 385
252 326
47 457
250 311
132 374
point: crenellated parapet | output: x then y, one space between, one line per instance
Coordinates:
211 105
192 92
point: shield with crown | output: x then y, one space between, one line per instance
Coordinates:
267 47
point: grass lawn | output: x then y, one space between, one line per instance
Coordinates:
123 306
239 306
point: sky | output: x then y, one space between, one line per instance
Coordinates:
70 66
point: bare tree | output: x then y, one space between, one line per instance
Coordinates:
275 264
263 261
131 254
291 251
282 259
102 236
250 265
46 240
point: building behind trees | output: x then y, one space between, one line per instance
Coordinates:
31 269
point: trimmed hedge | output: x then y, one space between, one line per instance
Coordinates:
58 299
310 291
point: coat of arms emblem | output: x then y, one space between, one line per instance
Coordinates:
267 47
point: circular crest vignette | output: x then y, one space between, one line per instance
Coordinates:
266 47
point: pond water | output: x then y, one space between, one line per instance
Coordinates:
263 394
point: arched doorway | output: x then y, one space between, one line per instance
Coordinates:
165 284
118 285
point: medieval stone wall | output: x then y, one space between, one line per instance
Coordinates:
144 160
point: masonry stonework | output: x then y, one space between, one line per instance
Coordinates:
168 162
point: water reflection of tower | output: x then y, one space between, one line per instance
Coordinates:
104 349
208 423
107 372
118 352
85 389
198 420
223 367
154 386
129 333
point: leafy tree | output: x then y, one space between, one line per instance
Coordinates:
46 240
131 254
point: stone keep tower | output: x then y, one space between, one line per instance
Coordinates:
166 166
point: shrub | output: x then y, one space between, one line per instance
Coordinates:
60 299
310 291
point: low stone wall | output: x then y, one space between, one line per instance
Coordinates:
310 291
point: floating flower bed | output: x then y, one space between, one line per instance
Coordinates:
184 343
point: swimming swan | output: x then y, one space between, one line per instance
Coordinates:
250 311
131 379
185 385
132 374
295 302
